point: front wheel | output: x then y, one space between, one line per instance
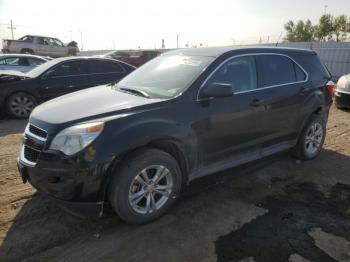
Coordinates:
145 186
311 139
20 105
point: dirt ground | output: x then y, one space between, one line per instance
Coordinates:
276 209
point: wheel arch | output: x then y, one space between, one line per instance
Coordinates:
170 146
27 49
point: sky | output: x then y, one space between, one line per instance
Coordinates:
131 24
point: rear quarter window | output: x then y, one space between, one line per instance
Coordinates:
315 69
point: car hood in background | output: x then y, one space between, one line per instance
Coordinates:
92 103
13 73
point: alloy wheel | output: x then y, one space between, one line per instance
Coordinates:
150 189
313 138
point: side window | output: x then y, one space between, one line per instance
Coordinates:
45 41
14 61
299 74
240 72
99 66
70 69
277 70
34 61
56 42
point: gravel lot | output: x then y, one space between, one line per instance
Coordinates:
276 209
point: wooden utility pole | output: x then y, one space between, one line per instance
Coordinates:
11 27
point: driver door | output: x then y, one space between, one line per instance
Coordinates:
230 129
65 78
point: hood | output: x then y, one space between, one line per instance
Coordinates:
11 76
92 103
12 73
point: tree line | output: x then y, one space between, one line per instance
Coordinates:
328 28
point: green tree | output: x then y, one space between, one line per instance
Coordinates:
341 28
324 29
299 32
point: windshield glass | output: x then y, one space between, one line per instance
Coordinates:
41 68
165 76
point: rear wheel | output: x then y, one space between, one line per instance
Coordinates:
20 105
311 139
27 51
146 184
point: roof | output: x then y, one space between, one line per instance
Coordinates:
72 58
218 51
67 58
22 55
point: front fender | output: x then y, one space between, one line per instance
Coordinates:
136 134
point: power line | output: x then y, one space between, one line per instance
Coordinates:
11 27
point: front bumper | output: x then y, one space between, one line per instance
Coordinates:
74 184
342 99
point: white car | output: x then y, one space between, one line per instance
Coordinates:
20 62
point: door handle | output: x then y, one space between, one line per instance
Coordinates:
70 86
256 102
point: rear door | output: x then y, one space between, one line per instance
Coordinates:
104 72
230 129
285 89
64 78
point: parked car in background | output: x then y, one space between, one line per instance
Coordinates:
342 94
183 115
134 57
40 45
21 92
20 62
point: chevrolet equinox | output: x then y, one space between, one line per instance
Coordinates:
133 145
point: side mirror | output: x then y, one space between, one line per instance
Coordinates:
216 90
50 74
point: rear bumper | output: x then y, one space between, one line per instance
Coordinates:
342 99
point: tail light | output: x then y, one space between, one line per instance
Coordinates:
330 87
6 44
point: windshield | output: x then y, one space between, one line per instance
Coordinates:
165 76
37 71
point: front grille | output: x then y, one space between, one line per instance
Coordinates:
31 154
37 131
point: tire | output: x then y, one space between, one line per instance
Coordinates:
20 105
27 51
143 164
72 53
311 139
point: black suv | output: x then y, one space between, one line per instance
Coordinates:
183 115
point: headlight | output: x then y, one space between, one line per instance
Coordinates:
75 138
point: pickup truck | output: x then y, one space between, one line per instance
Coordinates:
40 45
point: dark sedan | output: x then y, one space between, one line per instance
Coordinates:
20 93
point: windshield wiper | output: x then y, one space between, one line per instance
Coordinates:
134 91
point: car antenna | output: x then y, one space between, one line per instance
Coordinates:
278 39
